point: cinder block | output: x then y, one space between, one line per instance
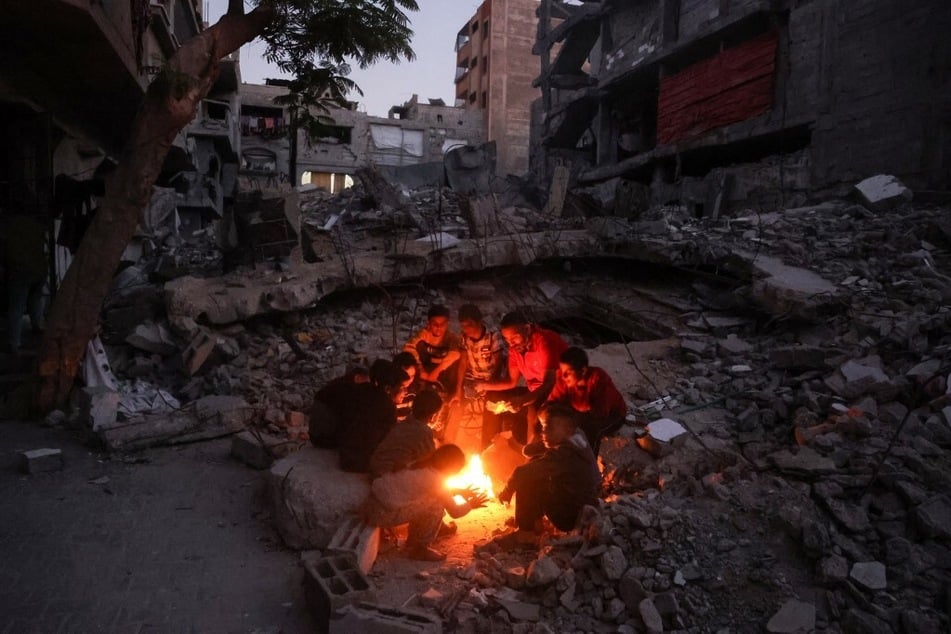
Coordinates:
368 618
330 583
358 540
40 460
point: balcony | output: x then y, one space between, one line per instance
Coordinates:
214 119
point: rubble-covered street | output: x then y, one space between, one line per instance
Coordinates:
799 356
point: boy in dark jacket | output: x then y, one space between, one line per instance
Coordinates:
558 483
409 440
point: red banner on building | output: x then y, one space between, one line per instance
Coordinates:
734 85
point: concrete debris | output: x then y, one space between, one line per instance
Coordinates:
41 460
795 617
883 191
805 337
311 496
542 572
153 337
869 575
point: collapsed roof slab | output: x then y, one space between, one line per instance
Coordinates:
238 296
778 289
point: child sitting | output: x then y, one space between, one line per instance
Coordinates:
419 496
556 484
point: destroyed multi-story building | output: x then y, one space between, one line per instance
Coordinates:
67 112
705 102
412 134
266 142
494 72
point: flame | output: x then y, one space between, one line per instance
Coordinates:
471 476
499 407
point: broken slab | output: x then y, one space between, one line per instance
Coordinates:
663 435
933 518
368 618
869 575
795 617
260 450
311 497
805 462
208 417
858 377
784 290
240 296
153 337
883 192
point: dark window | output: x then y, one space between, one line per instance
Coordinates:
438 118
485 100
485 29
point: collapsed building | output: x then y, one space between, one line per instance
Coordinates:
797 348
712 103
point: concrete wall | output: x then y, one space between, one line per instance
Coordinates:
862 87
887 91
437 125
511 72
260 96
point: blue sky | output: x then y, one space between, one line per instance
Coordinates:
435 26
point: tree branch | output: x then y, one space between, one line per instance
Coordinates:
235 7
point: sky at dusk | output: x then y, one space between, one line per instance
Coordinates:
435 26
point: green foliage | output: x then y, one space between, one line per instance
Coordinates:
335 32
317 40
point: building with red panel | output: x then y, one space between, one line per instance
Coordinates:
743 102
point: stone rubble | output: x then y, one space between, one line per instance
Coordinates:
812 359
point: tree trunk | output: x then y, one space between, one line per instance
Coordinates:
169 105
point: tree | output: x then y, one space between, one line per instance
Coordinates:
312 39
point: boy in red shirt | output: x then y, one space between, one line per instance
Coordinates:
591 393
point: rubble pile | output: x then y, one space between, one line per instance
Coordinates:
793 473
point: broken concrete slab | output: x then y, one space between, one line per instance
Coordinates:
259 450
153 337
208 417
311 496
794 617
869 575
882 192
237 297
805 462
41 460
663 435
368 618
933 517
784 290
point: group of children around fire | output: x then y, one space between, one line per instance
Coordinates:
556 406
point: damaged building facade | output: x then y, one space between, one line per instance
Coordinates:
749 102
414 133
494 72
67 113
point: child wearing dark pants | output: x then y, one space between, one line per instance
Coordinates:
557 483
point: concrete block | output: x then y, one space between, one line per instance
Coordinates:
357 539
883 191
40 460
261 451
368 618
330 583
311 496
